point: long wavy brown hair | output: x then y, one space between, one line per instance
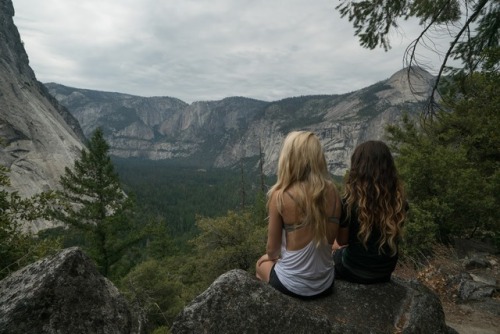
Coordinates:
374 189
302 162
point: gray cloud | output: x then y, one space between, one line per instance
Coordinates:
200 50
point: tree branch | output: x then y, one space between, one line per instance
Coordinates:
450 50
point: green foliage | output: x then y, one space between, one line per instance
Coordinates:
154 288
420 233
373 20
91 190
178 193
93 202
17 247
159 243
174 267
234 241
163 285
471 25
161 330
259 209
451 165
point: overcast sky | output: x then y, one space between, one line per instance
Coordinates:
198 50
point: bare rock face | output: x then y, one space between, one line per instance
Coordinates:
38 137
238 303
63 294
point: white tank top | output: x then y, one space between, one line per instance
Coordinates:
307 271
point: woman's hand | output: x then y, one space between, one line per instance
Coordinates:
265 258
336 246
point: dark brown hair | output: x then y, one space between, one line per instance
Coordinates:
374 189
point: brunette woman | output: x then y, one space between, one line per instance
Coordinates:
373 211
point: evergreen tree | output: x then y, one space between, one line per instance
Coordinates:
451 166
18 246
92 200
154 288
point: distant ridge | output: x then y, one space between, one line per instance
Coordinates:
221 133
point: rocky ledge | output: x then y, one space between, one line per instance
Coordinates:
238 303
66 294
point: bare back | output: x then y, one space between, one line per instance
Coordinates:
297 236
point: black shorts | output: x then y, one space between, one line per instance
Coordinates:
345 274
276 283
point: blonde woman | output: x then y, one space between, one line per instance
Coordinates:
304 210
373 211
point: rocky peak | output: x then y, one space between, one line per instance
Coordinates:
412 84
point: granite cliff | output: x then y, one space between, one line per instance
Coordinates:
38 136
221 133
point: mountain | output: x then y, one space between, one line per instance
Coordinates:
43 127
38 136
222 133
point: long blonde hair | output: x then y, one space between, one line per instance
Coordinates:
373 189
302 163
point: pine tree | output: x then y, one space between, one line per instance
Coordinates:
92 201
451 166
472 26
18 246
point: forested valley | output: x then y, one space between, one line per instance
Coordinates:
179 193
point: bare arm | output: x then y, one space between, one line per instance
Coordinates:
334 205
274 232
343 236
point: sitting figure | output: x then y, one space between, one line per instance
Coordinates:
304 210
373 211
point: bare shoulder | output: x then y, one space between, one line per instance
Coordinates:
333 200
332 192
273 199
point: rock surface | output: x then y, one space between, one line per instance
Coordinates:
63 294
39 137
238 303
